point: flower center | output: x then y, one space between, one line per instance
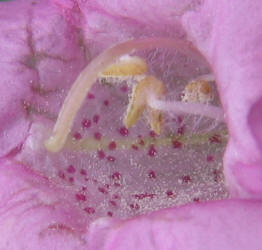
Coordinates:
115 63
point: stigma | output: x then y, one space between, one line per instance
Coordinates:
198 91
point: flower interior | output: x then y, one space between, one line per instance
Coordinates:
141 129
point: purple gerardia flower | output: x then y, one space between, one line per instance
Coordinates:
74 173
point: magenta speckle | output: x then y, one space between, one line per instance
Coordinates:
116 176
134 206
112 145
102 190
90 210
83 172
111 158
169 193
216 174
71 169
123 131
152 174
71 179
143 196
97 136
152 133
210 158
141 141
179 119
181 130
86 123
106 102
109 213
124 88
77 136
152 151
177 144
215 139
196 200
116 196
186 179
113 203
61 175
80 197
101 154
90 96
96 118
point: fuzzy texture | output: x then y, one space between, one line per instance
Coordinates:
56 201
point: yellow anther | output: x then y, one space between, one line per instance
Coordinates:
156 120
149 86
198 91
126 66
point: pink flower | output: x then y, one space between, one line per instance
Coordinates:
116 188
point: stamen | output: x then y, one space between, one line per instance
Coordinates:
197 91
188 108
207 77
89 75
129 66
138 102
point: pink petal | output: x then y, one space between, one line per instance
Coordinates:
231 39
216 225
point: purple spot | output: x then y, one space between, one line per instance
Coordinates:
90 210
123 131
216 174
169 193
90 96
116 176
113 203
215 139
143 196
181 130
210 158
61 175
83 172
96 118
102 190
109 213
101 154
124 88
106 102
186 179
97 136
134 206
77 136
111 158
152 174
152 151
86 123
116 196
112 145
152 133
71 169
177 144
80 197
